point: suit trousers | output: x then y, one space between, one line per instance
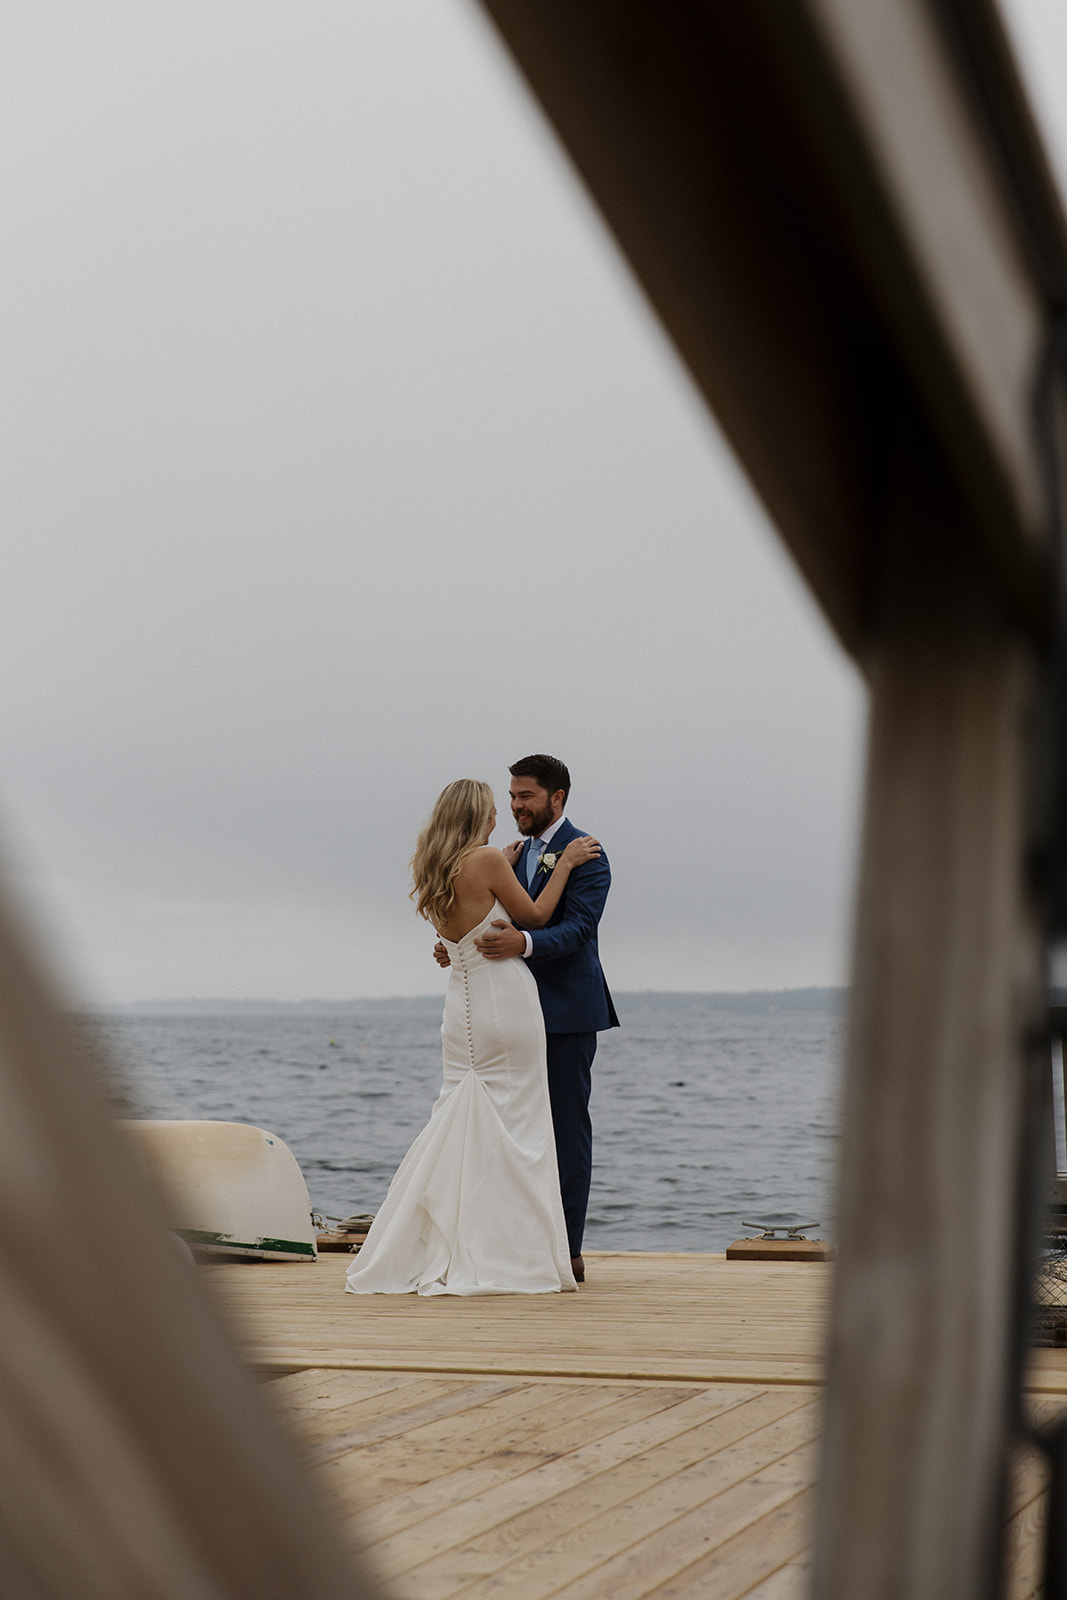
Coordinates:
570 1060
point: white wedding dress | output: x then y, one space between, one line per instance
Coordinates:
474 1207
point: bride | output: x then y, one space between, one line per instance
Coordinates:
474 1207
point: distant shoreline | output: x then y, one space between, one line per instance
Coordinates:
632 1002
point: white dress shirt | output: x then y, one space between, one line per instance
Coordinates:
541 842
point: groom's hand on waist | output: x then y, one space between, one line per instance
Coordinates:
440 955
502 939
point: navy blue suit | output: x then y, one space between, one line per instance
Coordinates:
576 1004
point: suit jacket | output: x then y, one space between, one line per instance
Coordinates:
565 960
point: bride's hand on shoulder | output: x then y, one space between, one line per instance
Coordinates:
584 848
512 852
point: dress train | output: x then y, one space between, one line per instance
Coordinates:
474 1206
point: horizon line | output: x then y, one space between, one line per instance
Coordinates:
428 996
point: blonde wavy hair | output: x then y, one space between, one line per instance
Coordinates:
455 830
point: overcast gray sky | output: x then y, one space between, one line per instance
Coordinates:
344 459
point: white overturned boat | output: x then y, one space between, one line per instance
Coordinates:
231 1189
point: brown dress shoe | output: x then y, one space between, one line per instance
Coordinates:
578 1268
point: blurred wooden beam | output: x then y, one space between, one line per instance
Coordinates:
137 1457
947 990
842 213
811 203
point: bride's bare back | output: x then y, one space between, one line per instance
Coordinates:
474 899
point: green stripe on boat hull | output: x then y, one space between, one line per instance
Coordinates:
197 1238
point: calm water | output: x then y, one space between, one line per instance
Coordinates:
703 1116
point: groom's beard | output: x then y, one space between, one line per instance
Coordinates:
530 822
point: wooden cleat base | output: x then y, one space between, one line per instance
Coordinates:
780 1250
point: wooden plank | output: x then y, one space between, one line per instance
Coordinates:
313 1390
568 1472
530 1483
691 1318
440 1401
539 1412
690 1561
791 1582
575 1534
371 1416
735 1421
798 1374
410 1459
403 1490
713 1458
1024 1541
739 1426
625 1429
434 1399
1046 1372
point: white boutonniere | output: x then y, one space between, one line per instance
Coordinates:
547 862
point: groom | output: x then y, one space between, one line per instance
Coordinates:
564 960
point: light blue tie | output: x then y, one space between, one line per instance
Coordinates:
533 861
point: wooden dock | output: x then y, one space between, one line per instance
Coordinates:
654 1434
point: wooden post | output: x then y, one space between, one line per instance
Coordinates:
947 983
843 214
136 1455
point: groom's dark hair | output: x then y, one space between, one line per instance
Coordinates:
549 773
